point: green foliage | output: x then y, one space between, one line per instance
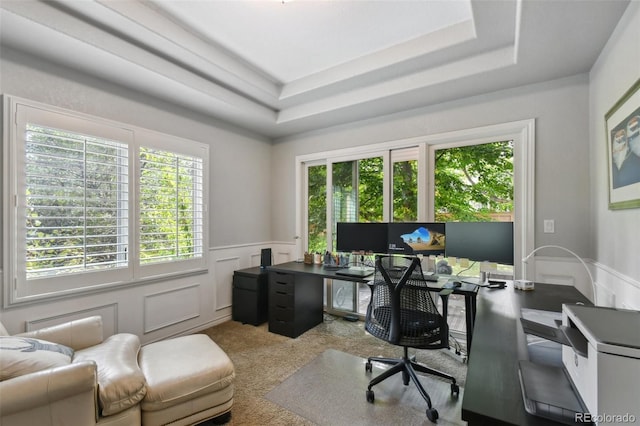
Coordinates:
370 190
317 213
77 203
72 205
473 183
405 191
167 222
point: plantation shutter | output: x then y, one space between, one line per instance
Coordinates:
76 196
171 206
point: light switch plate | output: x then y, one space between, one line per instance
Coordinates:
549 226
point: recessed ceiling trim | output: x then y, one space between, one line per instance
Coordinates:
448 37
142 46
173 84
154 31
479 64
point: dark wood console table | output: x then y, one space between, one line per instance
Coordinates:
492 394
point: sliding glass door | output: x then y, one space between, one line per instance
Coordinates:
445 182
474 183
357 196
378 187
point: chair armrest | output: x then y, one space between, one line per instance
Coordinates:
77 334
24 394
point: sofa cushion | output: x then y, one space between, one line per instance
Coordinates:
121 383
23 355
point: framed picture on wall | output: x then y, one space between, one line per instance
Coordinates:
622 124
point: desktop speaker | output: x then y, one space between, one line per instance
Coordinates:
265 258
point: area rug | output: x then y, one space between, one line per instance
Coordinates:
331 390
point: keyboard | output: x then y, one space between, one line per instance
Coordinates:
355 271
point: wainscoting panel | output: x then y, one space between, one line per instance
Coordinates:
224 279
615 289
170 307
255 259
154 310
226 260
284 256
109 314
556 279
612 288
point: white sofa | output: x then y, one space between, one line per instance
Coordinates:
69 374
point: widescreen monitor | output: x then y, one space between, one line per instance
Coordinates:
368 237
411 238
481 241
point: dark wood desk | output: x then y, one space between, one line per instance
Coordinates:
297 313
492 394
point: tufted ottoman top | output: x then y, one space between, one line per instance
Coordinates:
181 369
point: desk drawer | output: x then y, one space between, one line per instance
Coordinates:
283 328
281 300
280 287
280 314
282 278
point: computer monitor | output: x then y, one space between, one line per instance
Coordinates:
368 237
411 238
481 241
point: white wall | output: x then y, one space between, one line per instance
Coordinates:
240 204
615 233
240 162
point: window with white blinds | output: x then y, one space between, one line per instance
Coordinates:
97 203
76 197
170 206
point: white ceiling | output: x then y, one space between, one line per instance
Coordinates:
292 40
279 69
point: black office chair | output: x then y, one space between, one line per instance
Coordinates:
402 312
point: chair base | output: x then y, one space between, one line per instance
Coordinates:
408 367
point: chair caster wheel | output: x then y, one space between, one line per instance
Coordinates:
371 397
455 389
432 414
368 367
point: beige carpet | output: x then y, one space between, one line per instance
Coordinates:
330 390
263 360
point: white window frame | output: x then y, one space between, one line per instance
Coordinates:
354 157
17 289
165 142
522 133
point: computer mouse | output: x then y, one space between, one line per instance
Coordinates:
456 284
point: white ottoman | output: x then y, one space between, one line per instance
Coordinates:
189 380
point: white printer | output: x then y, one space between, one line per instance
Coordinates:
603 361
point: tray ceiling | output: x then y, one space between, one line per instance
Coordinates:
279 69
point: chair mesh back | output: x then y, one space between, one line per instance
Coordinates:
420 323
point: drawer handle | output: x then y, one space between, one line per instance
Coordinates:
281 306
281 292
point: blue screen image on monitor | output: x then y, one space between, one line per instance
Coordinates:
411 238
